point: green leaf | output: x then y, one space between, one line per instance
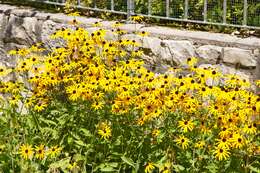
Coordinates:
107 169
49 122
112 164
81 143
129 161
179 167
60 164
3 119
254 169
85 132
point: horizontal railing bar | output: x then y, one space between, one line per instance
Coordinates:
199 22
87 8
157 17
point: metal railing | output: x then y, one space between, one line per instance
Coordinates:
233 13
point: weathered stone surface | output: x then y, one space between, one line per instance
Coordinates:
239 56
250 41
202 37
132 27
209 53
23 12
152 43
6 8
176 52
21 30
48 28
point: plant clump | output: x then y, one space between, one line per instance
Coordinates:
92 99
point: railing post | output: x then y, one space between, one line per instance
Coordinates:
130 8
95 4
186 9
167 8
205 10
245 13
225 11
149 7
112 5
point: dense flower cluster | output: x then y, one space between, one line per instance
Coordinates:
211 113
40 152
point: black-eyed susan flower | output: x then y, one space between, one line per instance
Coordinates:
200 144
221 153
238 141
40 106
186 125
99 104
4 71
156 132
54 151
72 166
104 130
149 167
165 167
182 141
26 151
40 152
137 19
143 33
223 142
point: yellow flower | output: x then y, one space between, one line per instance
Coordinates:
117 24
250 128
54 151
221 153
98 105
137 53
137 19
104 130
97 24
40 106
14 100
72 166
238 141
156 132
186 125
192 61
149 167
40 152
4 71
257 83
200 144
183 142
223 142
26 151
165 168
143 33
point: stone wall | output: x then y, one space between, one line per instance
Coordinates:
22 26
